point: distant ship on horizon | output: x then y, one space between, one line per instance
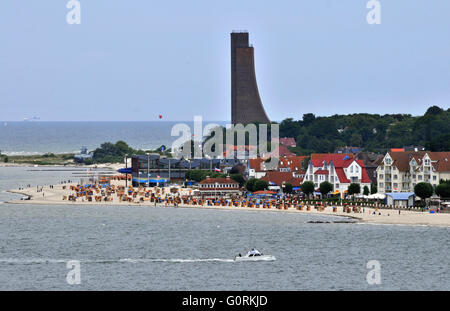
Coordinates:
32 119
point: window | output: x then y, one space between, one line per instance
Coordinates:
381 176
434 177
395 176
381 185
419 177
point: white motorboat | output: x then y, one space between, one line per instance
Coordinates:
254 256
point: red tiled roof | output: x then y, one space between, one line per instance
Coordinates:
288 141
340 161
279 177
322 172
256 164
341 175
293 162
284 151
264 192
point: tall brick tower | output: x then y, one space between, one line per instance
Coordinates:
246 105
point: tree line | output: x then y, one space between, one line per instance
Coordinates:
373 132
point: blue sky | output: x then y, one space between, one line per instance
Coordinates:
134 60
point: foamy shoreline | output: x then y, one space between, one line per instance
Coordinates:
53 196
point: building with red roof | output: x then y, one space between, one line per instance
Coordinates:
339 169
400 171
288 142
290 164
213 187
277 178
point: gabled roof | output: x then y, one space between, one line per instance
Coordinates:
321 172
288 141
279 177
293 162
341 175
338 159
439 160
256 164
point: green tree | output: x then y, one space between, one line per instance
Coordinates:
325 188
373 188
238 178
354 188
250 184
366 190
307 187
443 189
423 190
112 153
260 185
287 188
196 175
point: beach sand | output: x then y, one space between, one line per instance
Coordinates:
53 196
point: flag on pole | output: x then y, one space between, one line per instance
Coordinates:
217 169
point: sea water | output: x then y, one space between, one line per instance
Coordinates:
28 138
164 248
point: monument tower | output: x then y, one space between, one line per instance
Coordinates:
246 105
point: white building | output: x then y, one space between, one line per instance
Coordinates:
339 169
401 171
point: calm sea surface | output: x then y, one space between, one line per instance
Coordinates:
27 138
146 248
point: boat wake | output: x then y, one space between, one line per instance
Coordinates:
100 261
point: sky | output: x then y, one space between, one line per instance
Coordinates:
134 60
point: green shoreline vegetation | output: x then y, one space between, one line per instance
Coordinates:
373 132
40 159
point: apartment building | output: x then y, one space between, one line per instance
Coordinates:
401 171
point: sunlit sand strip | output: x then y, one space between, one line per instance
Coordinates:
369 215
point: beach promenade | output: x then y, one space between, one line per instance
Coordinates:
54 196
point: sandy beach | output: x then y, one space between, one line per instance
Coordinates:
54 195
